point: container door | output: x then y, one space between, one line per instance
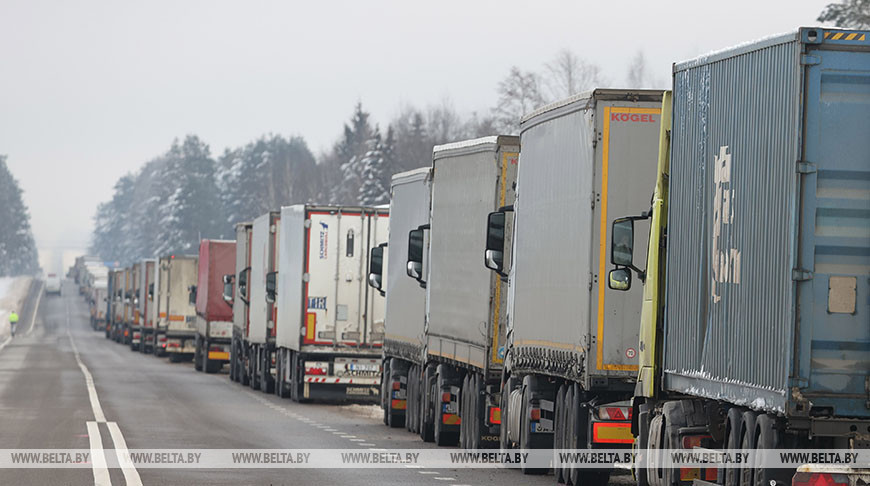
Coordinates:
833 274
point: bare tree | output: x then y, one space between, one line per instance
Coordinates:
567 74
518 93
852 14
637 72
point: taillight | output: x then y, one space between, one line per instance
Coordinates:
534 414
445 397
819 479
315 371
397 385
614 413
494 415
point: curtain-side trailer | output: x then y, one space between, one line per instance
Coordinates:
465 304
405 304
571 360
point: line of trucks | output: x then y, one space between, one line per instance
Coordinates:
682 269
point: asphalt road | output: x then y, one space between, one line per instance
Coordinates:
46 402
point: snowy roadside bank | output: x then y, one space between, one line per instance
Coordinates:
13 293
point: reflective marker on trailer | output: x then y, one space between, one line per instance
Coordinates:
612 433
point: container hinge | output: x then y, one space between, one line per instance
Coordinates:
592 200
804 167
307 223
810 60
800 275
592 280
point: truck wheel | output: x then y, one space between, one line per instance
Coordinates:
427 427
386 391
733 437
526 439
234 356
411 417
465 412
281 388
560 431
442 437
747 443
769 437
396 419
197 354
267 384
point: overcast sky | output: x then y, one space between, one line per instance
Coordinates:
90 90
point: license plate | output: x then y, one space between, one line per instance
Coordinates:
358 391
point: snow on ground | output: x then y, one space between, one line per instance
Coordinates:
13 291
369 411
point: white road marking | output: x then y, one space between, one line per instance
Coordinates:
428 472
413 466
367 444
131 476
101 472
98 459
378 450
446 479
357 440
35 308
7 341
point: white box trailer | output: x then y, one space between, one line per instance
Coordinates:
143 334
176 313
571 362
330 328
265 238
405 305
98 303
239 296
465 303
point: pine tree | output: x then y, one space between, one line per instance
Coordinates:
372 191
190 207
18 254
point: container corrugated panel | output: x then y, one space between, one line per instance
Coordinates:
738 147
240 308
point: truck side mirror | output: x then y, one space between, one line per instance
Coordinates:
243 284
376 268
494 255
622 242
191 296
619 279
415 255
229 279
271 286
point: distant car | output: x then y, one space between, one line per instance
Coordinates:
52 284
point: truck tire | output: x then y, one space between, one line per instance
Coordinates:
747 444
560 432
197 354
442 437
234 356
281 388
267 384
733 437
526 438
396 419
386 391
464 412
253 364
412 423
768 436
427 425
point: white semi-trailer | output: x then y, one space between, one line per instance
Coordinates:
265 239
405 299
143 335
238 295
330 326
464 331
176 313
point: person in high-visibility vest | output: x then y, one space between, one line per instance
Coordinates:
13 320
